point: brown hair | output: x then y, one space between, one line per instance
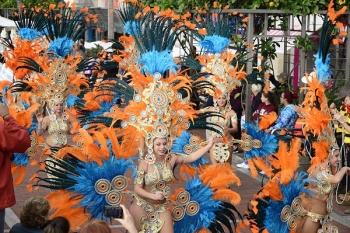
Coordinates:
96 226
57 225
35 212
290 96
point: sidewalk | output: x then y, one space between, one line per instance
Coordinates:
248 187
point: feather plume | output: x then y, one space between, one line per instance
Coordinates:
294 189
157 62
268 142
287 159
267 120
214 44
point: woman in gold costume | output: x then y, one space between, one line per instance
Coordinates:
152 186
56 124
222 151
316 214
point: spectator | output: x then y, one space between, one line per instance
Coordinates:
127 221
13 138
33 217
268 105
288 115
57 225
256 96
280 86
95 226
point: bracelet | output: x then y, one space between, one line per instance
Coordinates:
3 117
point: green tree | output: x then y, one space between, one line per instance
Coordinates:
13 3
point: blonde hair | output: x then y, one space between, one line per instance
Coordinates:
96 226
256 87
35 212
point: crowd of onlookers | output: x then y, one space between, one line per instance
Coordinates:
34 218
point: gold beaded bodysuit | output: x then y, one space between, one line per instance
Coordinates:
221 152
158 180
59 129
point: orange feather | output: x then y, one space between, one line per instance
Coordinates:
267 120
227 195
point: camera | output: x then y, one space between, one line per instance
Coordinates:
113 212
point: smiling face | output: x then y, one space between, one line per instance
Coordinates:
160 146
58 107
221 101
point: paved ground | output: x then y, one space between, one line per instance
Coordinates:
246 190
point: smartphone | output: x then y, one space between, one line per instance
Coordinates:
113 212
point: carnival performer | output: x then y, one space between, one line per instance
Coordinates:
285 203
342 135
159 108
222 151
55 73
224 73
152 184
324 180
56 124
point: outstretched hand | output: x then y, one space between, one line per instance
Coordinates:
127 221
339 117
212 141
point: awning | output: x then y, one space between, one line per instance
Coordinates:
7 23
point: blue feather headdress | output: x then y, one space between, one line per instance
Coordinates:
214 44
61 46
28 33
30 22
157 62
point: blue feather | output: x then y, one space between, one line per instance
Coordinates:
105 107
21 159
180 142
289 192
214 43
33 126
208 206
71 100
25 105
89 173
61 46
157 62
178 147
322 69
28 33
268 142
130 28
